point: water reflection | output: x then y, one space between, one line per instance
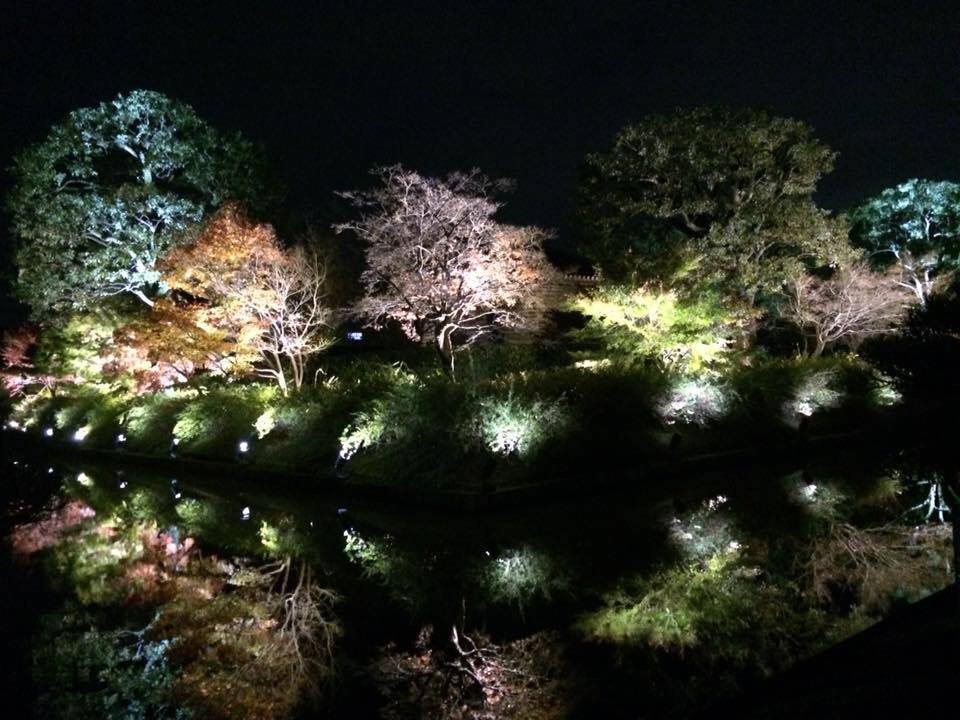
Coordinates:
194 597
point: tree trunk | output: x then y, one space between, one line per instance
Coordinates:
919 290
139 294
446 350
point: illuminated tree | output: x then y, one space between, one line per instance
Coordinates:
267 301
726 192
846 308
439 264
109 191
915 225
685 334
291 311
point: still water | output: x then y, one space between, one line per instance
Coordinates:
133 594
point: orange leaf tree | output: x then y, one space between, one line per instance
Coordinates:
267 302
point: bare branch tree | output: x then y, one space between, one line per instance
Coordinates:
287 301
853 304
440 265
307 628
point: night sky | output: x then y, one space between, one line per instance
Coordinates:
518 89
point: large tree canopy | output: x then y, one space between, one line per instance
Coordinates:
915 225
727 190
107 192
440 265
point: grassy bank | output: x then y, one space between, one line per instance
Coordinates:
410 427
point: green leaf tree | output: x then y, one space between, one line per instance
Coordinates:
916 226
692 335
111 189
726 191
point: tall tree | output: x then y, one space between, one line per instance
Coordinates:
440 265
108 192
916 226
726 190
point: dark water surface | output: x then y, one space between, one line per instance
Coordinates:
648 602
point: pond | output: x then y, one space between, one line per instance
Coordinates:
139 595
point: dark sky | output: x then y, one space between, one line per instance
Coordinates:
521 90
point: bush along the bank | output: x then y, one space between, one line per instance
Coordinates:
391 425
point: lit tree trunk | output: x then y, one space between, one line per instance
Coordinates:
276 370
140 295
919 290
820 347
446 350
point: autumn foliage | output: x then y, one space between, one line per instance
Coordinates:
237 284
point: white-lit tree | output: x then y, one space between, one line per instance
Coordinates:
110 190
293 315
915 226
440 265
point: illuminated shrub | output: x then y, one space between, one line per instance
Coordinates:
366 430
518 427
817 391
386 418
706 531
784 392
150 422
523 575
197 516
91 414
694 402
411 433
214 422
885 392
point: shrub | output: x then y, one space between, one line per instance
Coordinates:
151 420
512 426
694 402
523 575
213 423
